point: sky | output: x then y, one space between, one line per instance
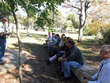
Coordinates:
64 11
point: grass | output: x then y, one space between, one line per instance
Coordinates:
33 44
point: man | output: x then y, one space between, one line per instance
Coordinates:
2 40
55 46
72 59
103 74
54 41
49 40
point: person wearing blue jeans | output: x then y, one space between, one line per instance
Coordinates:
54 41
72 59
2 40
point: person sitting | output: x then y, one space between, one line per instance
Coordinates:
49 39
54 41
62 51
55 45
61 41
103 74
72 59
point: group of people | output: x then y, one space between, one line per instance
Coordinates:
66 53
69 56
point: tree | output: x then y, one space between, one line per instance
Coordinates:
81 7
12 6
73 20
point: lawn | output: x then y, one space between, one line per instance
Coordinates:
33 44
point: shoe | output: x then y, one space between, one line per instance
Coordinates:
47 59
65 79
61 74
4 62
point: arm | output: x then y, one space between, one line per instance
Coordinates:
73 53
62 58
104 75
4 33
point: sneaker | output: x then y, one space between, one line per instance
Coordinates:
4 62
65 79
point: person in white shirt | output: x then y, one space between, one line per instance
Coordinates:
103 74
3 34
49 39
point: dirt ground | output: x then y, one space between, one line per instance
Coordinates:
36 70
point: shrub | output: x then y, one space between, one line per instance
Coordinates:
93 31
106 35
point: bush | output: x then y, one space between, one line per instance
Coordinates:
106 35
93 31
85 29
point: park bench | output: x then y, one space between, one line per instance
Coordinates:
85 70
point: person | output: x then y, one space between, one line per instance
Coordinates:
54 41
55 46
49 40
103 74
61 41
3 34
72 59
61 52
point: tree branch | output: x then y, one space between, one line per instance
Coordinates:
72 6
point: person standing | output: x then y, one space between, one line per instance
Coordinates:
3 34
103 74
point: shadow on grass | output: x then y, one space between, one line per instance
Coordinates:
33 35
32 48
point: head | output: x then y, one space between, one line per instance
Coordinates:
57 36
4 20
53 34
70 43
105 52
48 33
63 38
62 35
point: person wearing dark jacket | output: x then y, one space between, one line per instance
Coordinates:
72 59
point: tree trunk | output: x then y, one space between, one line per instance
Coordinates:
80 35
20 45
12 33
28 25
80 24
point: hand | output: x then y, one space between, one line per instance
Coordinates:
8 34
88 78
85 81
60 59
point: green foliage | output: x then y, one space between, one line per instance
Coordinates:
35 6
3 10
93 31
85 29
75 23
106 35
94 27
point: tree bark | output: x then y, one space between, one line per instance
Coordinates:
80 24
28 25
20 45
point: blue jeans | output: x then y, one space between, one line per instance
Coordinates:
67 65
2 48
49 47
